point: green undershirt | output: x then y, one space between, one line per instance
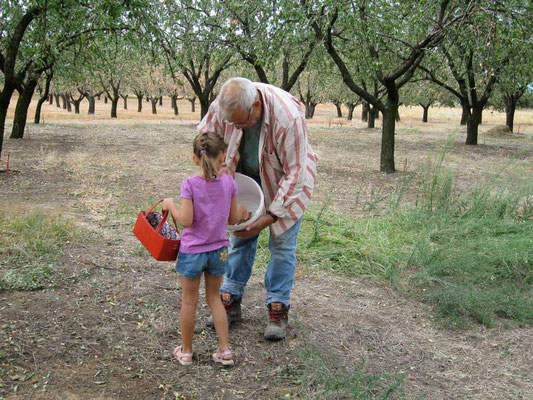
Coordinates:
249 149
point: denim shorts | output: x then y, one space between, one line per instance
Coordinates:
193 265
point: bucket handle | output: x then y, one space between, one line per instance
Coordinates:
164 217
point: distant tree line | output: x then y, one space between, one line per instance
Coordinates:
379 54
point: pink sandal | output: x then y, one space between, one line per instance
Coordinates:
181 357
221 357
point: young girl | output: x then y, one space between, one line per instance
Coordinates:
208 204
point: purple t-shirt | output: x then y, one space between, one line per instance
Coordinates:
211 204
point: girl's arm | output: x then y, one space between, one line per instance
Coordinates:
184 214
237 213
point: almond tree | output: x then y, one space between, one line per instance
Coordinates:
271 38
112 64
44 93
137 78
477 53
514 81
34 33
423 93
190 39
385 41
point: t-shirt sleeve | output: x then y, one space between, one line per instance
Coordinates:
186 190
233 187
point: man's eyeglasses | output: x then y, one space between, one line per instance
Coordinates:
240 125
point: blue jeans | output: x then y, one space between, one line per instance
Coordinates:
279 276
193 266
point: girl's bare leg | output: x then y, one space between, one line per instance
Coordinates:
218 312
189 300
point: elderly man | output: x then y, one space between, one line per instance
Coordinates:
265 130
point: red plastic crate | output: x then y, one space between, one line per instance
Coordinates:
161 248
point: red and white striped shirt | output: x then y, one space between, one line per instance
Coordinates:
287 163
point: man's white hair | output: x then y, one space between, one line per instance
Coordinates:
236 93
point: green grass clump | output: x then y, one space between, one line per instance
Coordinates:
322 376
470 255
29 246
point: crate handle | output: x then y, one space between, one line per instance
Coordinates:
164 217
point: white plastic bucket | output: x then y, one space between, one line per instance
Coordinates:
249 195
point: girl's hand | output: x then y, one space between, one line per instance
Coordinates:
243 213
167 203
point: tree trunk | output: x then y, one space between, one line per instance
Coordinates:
339 109
373 113
64 98
114 105
5 98
204 105
37 115
147 99
465 113
56 95
21 110
44 97
426 108
154 104
69 105
105 99
351 107
51 98
510 107
365 111
309 109
387 139
397 116
193 105
174 100
92 102
139 103
160 100
472 125
76 106
125 101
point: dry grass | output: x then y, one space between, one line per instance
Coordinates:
107 330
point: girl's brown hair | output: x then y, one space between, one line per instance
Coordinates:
207 147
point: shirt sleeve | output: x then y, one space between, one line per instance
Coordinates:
233 187
186 190
212 122
292 152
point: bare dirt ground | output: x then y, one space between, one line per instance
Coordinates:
107 327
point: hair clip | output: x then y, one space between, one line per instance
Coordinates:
202 151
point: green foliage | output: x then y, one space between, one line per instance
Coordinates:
29 246
491 46
469 255
325 377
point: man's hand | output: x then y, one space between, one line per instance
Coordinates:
255 228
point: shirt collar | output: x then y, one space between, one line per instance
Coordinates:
266 108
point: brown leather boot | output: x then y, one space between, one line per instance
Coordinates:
278 318
232 305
